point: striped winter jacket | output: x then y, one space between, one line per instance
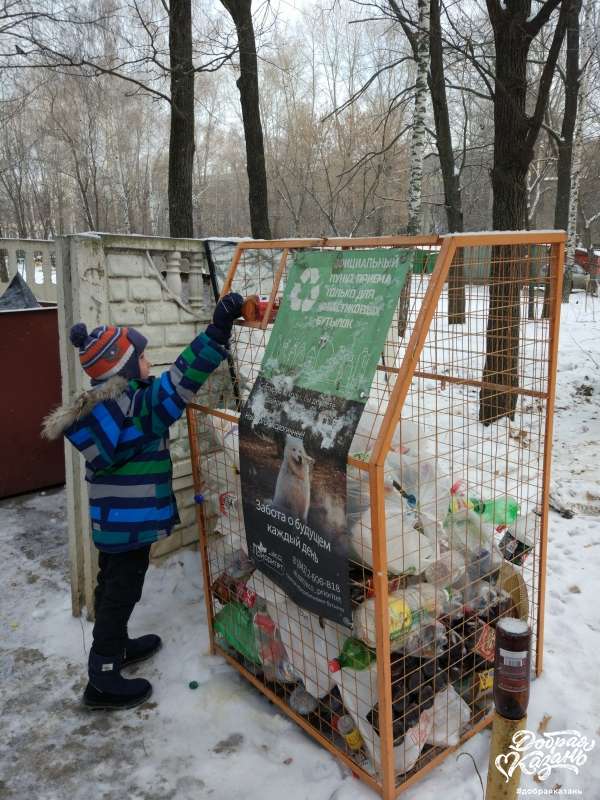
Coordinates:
121 427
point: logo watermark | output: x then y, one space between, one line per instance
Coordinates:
539 754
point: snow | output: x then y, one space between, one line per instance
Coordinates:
510 625
224 740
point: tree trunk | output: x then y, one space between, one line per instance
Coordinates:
450 178
565 165
247 83
571 226
515 134
417 151
181 141
512 157
417 145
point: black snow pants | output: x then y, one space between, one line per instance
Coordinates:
119 588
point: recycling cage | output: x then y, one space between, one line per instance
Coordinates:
457 352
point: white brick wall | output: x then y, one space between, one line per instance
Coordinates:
106 278
136 297
127 313
179 334
161 313
123 265
146 289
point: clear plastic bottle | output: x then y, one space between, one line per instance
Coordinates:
347 728
275 663
447 570
427 640
407 608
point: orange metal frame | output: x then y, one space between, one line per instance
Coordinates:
375 467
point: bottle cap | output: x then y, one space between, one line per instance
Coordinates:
334 665
199 498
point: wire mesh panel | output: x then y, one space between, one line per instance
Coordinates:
446 506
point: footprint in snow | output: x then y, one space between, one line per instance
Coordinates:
229 745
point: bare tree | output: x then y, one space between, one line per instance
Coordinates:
515 134
92 43
241 14
565 140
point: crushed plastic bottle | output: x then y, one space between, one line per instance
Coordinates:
273 655
427 640
447 570
470 535
408 609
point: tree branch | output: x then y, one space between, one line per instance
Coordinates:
535 121
533 26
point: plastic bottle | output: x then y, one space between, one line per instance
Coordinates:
426 640
303 702
512 668
271 650
355 655
233 623
469 534
407 609
347 728
518 539
500 511
446 570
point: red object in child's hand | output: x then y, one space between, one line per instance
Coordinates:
255 308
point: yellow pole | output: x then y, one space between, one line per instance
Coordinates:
503 772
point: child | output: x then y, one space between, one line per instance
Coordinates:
121 427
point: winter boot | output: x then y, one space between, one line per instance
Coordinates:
141 648
107 689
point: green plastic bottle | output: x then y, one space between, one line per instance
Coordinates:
500 511
234 624
355 655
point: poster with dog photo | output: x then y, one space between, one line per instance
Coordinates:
298 424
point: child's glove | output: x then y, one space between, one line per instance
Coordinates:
228 309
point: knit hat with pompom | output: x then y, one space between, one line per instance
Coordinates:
108 351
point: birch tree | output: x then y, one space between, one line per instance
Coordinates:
419 129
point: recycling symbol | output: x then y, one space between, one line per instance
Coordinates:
305 293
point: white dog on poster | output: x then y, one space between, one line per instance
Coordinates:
292 490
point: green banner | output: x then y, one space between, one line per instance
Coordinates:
298 424
334 317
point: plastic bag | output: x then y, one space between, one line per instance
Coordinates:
407 549
358 690
227 437
310 644
411 467
450 716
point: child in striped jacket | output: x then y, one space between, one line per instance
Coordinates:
121 427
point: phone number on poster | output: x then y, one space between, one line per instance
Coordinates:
319 580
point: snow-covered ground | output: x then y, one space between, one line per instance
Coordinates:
223 740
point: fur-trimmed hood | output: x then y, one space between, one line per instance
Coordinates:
57 422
